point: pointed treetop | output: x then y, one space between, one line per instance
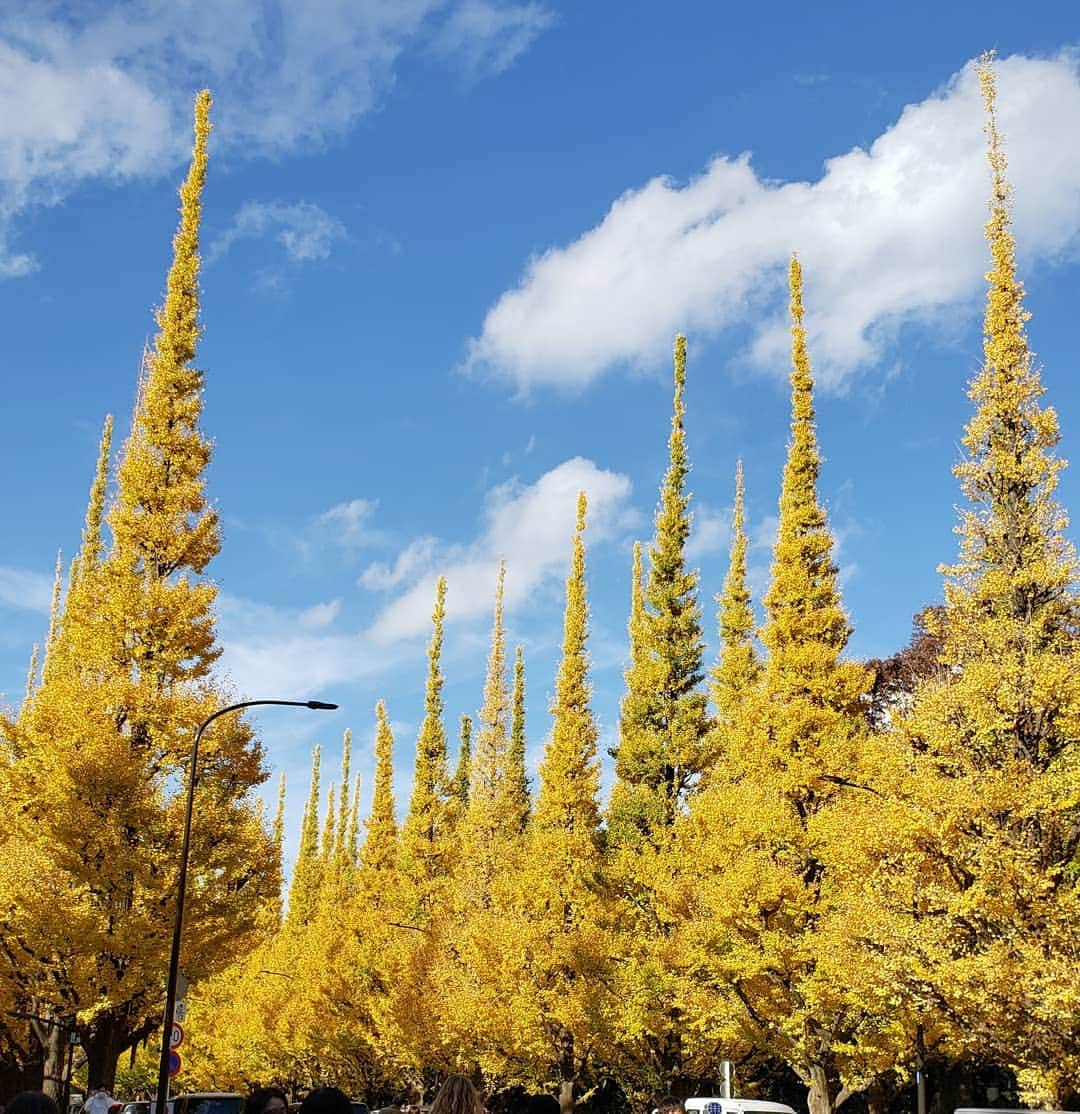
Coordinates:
352 835
92 548
55 618
516 784
803 601
488 767
1016 563
430 775
341 833
570 773
426 825
664 722
635 625
278 829
461 774
307 872
802 382
165 457
380 848
326 852
31 679
677 468
738 666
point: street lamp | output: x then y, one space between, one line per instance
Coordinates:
181 885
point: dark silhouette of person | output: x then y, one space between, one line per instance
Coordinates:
326 1100
31 1102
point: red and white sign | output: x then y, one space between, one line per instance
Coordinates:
176 1037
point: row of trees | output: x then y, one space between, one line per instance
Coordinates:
791 868
788 869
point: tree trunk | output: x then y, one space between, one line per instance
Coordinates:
878 1095
55 1048
566 1071
104 1043
818 1098
566 1096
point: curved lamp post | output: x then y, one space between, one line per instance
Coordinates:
181 886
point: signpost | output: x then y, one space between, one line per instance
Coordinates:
176 1038
174 1063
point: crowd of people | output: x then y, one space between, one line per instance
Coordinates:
456 1096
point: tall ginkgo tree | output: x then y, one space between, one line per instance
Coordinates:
558 967
663 749
995 734
111 729
757 838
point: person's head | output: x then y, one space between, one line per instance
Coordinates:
326 1100
266 1100
31 1102
670 1105
457 1096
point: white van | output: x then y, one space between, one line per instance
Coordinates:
735 1106
999 1110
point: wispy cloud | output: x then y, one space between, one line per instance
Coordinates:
269 649
320 615
25 590
490 36
306 231
418 555
711 533
349 524
528 524
887 235
100 91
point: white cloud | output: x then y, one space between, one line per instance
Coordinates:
320 615
530 525
417 555
886 235
266 653
26 590
348 523
711 532
102 91
305 230
490 36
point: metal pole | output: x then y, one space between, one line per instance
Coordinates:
181 886
72 1037
920 1072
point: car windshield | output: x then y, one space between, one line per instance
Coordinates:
230 1104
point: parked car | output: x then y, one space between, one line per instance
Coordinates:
990 1110
358 1107
735 1106
143 1106
207 1102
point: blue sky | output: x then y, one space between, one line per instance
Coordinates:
448 244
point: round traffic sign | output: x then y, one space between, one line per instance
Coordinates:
176 1037
174 1063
